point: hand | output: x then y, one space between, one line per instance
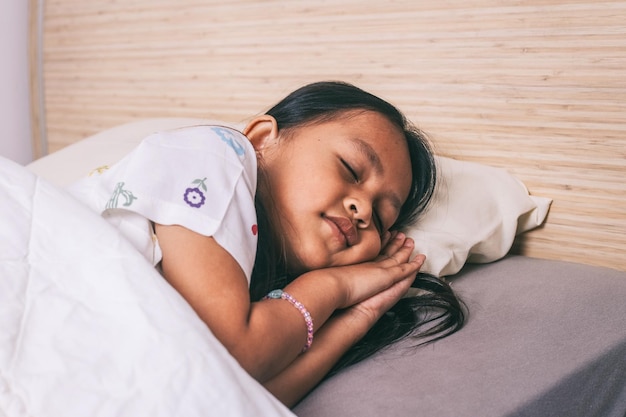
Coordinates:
382 281
374 307
393 262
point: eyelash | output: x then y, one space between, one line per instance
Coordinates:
351 170
375 217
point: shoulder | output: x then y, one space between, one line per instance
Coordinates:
205 137
219 147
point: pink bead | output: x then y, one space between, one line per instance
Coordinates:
302 309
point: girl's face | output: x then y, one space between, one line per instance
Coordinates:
336 186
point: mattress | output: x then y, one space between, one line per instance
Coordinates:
544 338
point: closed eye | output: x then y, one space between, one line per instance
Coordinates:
351 171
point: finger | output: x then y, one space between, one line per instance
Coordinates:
400 267
401 287
395 243
419 259
382 301
387 239
412 267
403 248
384 240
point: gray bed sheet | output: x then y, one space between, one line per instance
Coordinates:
544 338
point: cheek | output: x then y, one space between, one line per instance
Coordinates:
371 246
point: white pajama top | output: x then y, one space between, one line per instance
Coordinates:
202 178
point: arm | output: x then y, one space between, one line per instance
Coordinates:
266 336
337 335
212 282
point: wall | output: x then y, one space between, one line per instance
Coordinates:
536 87
15 130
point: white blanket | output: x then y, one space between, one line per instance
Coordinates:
89 328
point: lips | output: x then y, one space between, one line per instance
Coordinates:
345 228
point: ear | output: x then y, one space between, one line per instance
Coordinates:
261 131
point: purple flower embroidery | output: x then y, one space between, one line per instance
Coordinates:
194 196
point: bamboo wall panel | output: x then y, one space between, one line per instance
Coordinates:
537 86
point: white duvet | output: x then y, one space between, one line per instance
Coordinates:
89 328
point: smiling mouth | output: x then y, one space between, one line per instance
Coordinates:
345 228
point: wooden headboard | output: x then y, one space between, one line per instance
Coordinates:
537 87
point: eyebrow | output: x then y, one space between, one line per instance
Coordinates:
370 154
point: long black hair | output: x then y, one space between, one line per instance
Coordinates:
434 314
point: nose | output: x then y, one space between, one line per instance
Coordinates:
360 211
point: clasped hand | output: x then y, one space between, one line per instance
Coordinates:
372 288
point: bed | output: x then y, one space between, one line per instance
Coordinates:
524 103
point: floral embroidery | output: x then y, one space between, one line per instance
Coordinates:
98 170
120 192
230 139
194 197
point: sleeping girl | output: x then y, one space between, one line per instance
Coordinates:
285 238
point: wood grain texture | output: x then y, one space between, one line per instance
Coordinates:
37 116
537 87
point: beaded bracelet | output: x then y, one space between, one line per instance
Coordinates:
276 294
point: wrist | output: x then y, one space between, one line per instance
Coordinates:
329 284
280 294
355 322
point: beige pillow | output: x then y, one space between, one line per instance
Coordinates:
477 210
